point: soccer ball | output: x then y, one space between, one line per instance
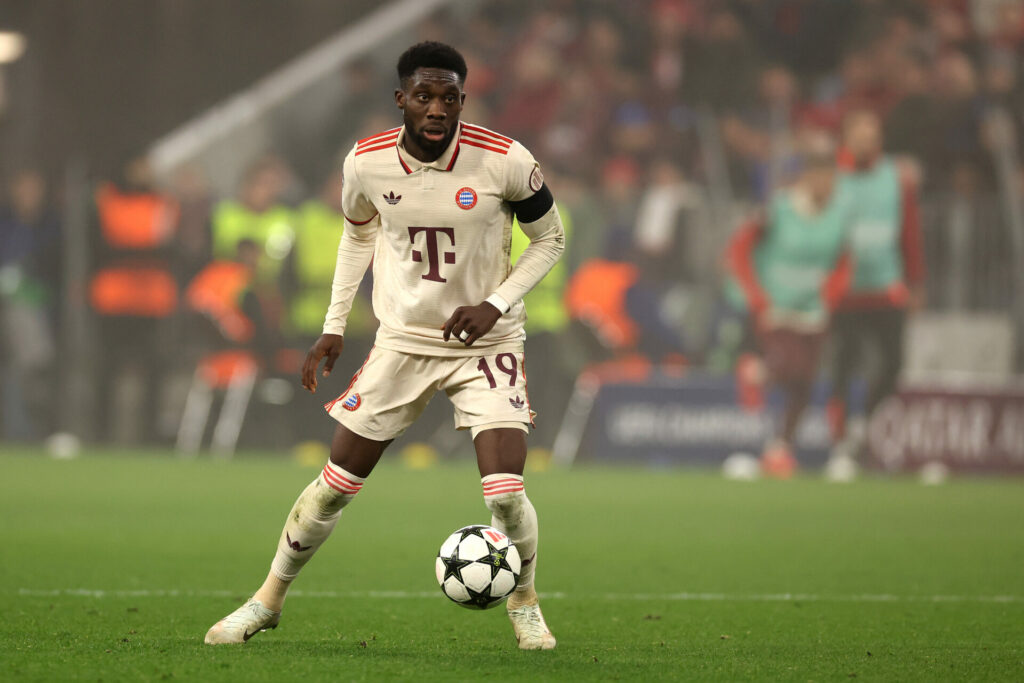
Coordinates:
477 567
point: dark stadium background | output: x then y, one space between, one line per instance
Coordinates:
631 106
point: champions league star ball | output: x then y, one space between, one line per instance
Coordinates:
478 567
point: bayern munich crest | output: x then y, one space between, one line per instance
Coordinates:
352 402
466 198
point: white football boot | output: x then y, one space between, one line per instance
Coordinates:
243 624
532 633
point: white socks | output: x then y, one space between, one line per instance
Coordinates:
312 519
512 513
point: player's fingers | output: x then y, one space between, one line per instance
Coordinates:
449 325
459 330
329 365
472 337
309 369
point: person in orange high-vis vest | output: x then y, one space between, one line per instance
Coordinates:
132 291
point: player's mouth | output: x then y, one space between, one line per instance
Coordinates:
434 133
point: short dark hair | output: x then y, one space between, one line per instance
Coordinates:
431 55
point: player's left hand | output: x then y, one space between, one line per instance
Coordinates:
469 323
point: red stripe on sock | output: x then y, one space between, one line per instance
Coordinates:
342 478
511 489
501 482
339 485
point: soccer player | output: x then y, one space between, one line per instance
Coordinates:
888 276
792 267
431 203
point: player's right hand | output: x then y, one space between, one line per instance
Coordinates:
329 346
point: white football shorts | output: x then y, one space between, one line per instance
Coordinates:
392 388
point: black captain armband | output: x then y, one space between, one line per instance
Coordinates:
533 207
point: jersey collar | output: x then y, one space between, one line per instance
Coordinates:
445 162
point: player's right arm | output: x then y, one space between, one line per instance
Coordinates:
355 251
740 263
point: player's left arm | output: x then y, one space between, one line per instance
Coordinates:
534 207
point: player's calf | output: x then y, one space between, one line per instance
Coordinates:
512 513
309 524
312 519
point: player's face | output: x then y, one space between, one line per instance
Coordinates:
820 180
431 102
864 138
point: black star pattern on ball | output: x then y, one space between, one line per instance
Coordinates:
496 560
475 530
481 600
453 566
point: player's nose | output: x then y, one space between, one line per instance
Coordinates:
436 110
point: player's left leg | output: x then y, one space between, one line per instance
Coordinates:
886 328
501 455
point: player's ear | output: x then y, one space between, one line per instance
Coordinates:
400 98
462 99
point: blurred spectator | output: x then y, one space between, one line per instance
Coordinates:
224 294
791 268
258 215
309 272
30 277
725 64
193 242
759 135
888 274
132 291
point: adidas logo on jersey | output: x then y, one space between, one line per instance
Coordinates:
391 199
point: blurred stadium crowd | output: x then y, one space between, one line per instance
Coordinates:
660 124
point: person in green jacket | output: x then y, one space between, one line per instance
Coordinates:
259 216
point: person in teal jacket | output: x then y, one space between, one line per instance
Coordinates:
888 277
789 268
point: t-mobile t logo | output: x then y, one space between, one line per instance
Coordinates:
434 263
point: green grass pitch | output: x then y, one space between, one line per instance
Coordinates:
112 567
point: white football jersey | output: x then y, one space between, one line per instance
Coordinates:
443 234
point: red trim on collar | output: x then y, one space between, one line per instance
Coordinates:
455 154
402 161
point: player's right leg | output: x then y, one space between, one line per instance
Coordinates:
373 410
308 525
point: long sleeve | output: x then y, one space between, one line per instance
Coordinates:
740 262
355 250
910 236
534 206
547 242
837 284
